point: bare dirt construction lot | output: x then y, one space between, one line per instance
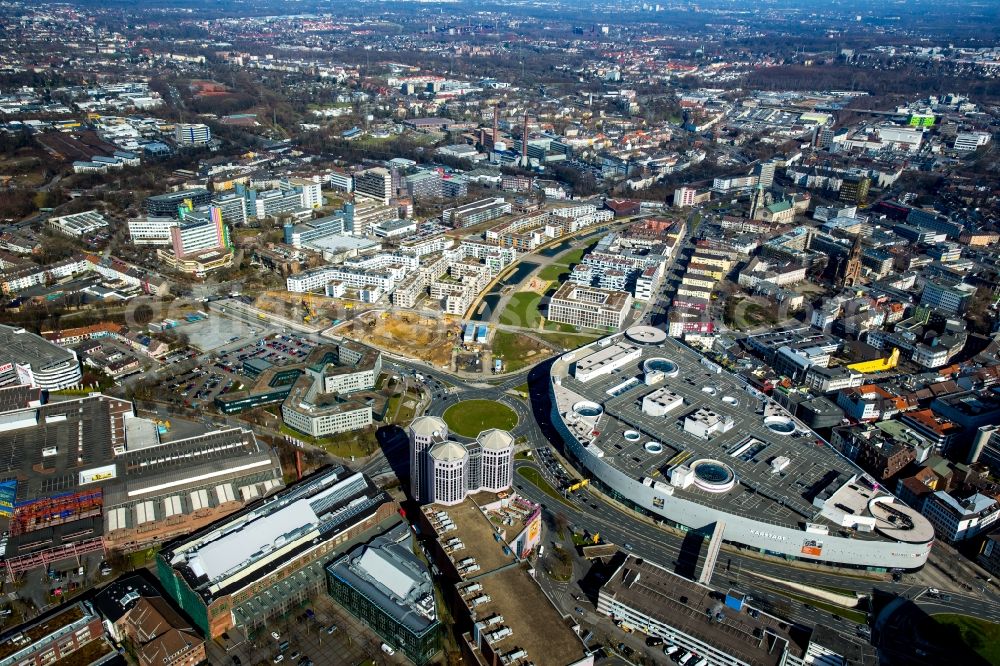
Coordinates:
426 338
308 308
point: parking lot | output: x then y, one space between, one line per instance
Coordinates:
214 331
224 373
321 633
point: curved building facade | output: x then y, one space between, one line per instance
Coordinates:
423 432
447 473
497 465
717 453
26 358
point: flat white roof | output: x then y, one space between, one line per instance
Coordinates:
222 555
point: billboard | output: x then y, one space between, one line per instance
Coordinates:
532 535
98 474
812 547
24 374
8 491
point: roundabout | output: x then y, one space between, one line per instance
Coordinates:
468 418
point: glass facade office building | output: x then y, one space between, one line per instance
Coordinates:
385 586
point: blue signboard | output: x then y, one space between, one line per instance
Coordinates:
8 491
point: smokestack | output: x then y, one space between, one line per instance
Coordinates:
524 141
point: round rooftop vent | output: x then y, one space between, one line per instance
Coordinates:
660 364
779 424
631 436
713 476
653 447
588 409
646 335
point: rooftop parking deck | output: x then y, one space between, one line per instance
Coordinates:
781 466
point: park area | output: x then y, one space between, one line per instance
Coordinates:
979 635
517 350
522 310
425 338
468 418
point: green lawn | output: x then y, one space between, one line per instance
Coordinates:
533 477
468 418
981 636
695 223
554 272
517 350
566 328
522 310
570 257
360 443
398 412
854 616
567 340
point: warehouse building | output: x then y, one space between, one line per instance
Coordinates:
78 225
268 558
154 500
85 474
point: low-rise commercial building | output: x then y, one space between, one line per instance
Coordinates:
192 134
957 519
167 205
641 596
390 590
476 212
69 634
263 561
78 225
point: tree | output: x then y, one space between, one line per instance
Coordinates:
143 314
561 522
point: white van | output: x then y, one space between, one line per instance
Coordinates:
388 649
688 656
670 649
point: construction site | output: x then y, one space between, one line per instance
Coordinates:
428 339
311 309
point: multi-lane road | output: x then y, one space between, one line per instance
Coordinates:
678 552
591 511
